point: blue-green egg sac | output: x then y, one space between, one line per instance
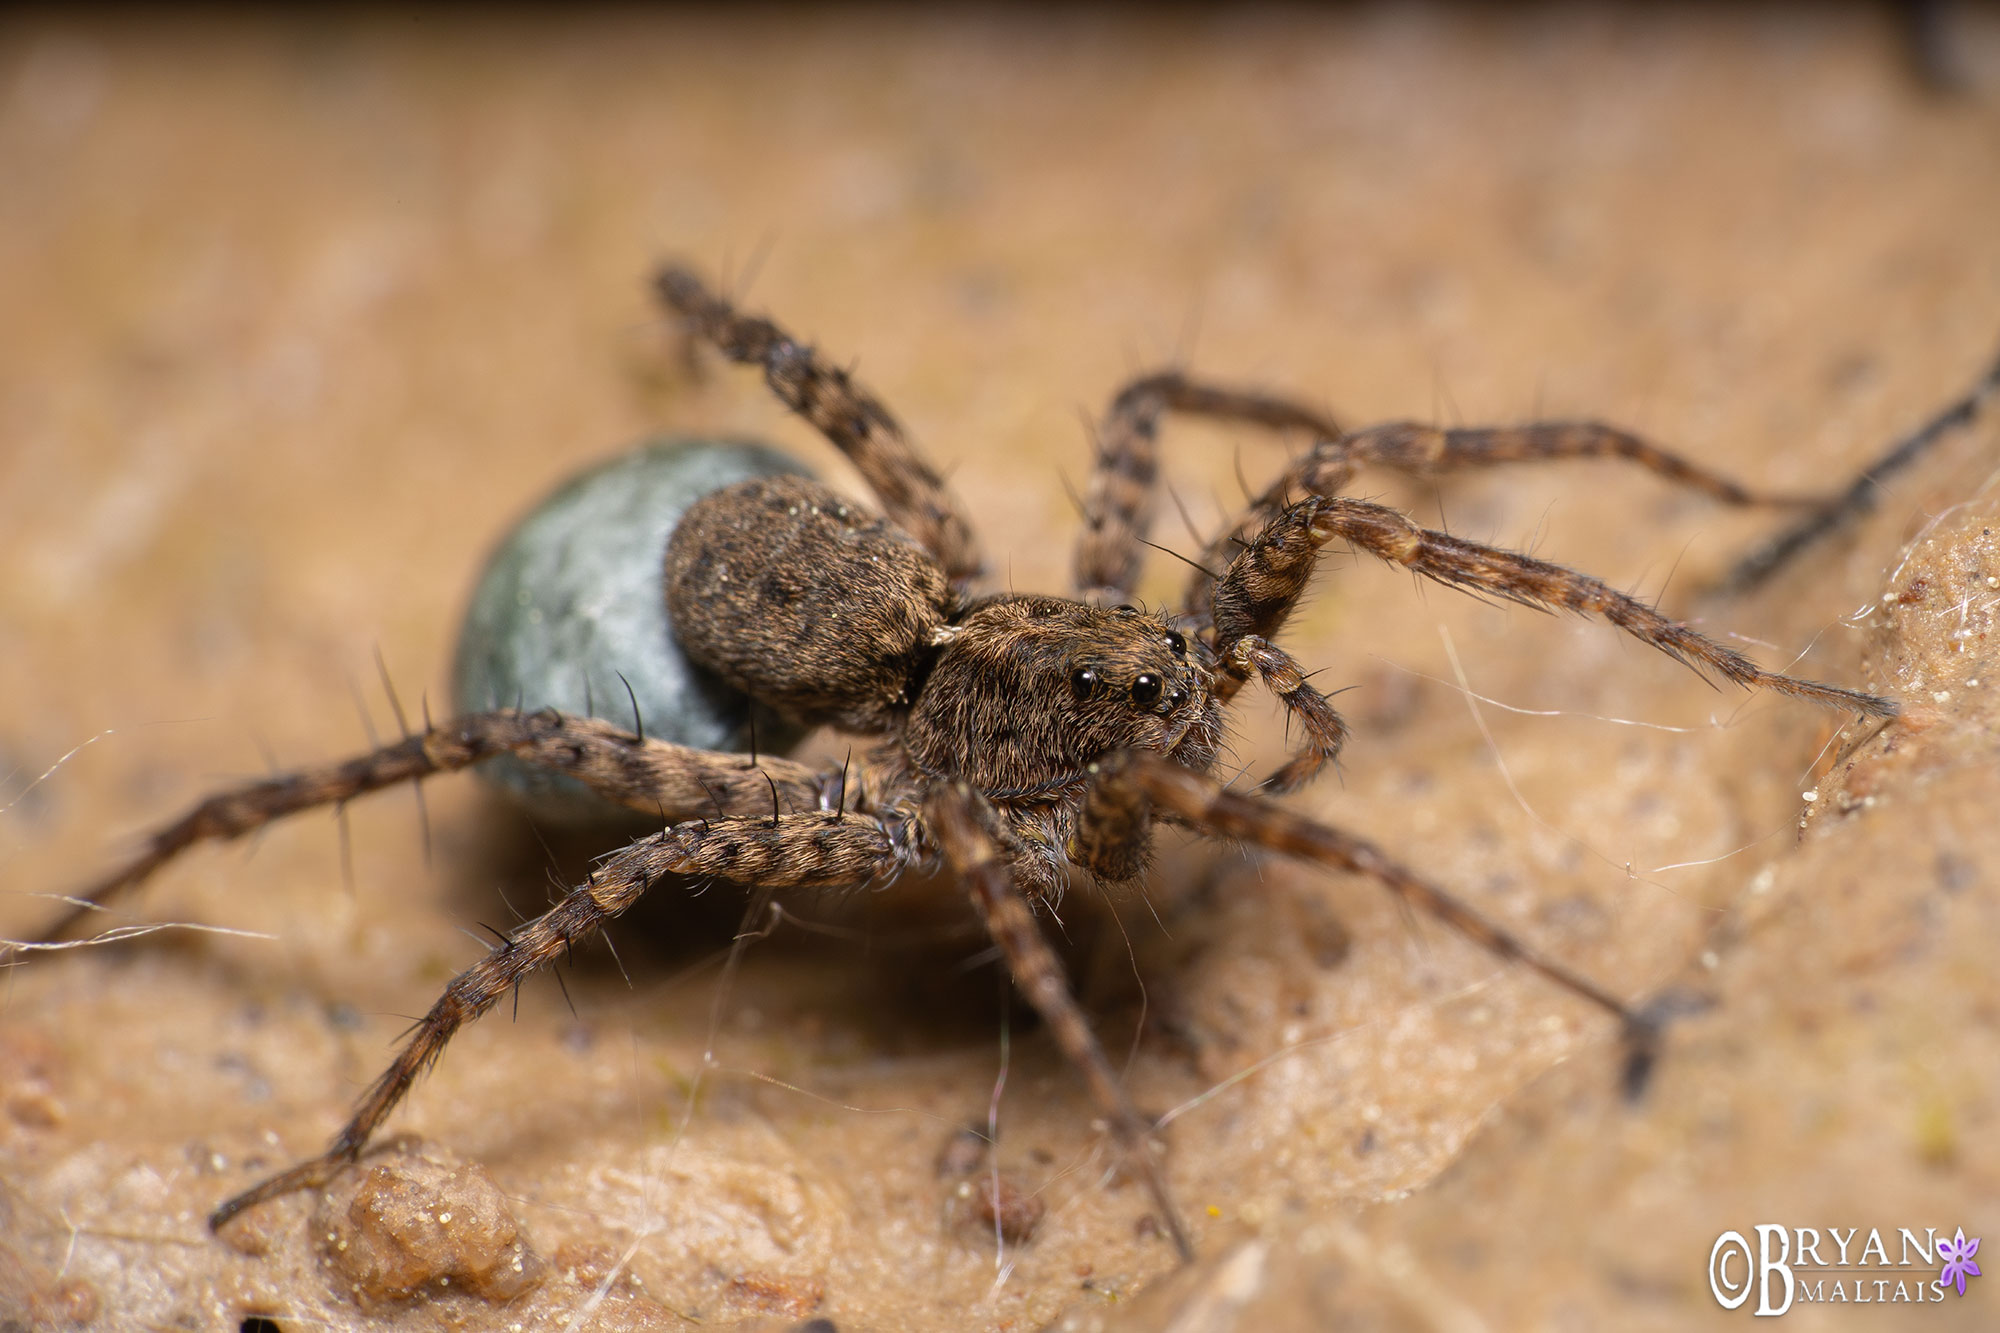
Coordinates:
571 614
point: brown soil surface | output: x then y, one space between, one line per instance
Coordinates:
298 316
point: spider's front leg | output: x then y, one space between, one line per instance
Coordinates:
670 781
1257 593
820 850
966 828
1418 450
1128 785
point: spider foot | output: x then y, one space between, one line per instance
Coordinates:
1646 1028
310 1174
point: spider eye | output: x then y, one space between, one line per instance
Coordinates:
1083 683
1125 609
1145 688
1176 644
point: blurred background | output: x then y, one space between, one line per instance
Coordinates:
301 313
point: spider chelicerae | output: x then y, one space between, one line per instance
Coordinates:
1016 738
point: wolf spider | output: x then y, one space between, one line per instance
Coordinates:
1019 735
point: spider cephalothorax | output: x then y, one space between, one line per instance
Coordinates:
1027 691
1014 737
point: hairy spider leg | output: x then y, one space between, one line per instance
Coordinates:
814 850
1425 451
653 777
912 494
963 822
1863 493
1127 785
1474 567
1325 731
1118 503
1117 507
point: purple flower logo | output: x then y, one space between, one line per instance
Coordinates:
1958 1265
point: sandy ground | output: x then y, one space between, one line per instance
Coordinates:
299 315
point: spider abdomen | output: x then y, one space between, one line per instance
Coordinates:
805 601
